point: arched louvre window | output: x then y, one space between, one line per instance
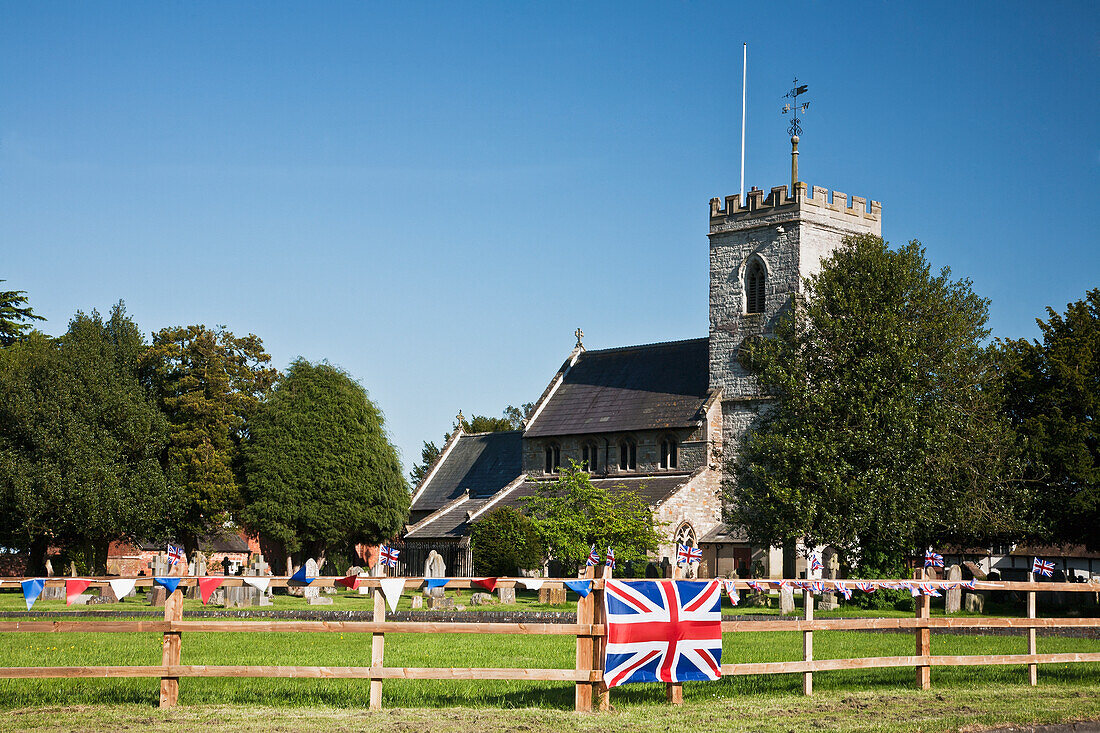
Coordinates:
590 457
669 450
628 455
553 458
755 282
685 535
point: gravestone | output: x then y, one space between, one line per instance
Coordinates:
552 596
974 603
157 594
444 603
197 567
786 600
50 593
952 601
506 595
434 567
417 602
310 592
318 601
481 599
831 566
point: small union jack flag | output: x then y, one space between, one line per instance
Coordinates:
388 555
731 591
756 586
685 554
970 585
1043 567
817 587
593 557
929 590
175 554
815 563
933 559
844 591
866 587
610 562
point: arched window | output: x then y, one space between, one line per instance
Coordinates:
628 455
670 449
590 457
755 281
685 535
553 457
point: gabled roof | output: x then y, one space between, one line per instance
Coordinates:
647 387
482 463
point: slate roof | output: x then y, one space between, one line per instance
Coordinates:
482 463
722 534
452 522
646 387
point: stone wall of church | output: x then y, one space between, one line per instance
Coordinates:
699 503
691 455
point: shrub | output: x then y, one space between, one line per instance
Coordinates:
503 542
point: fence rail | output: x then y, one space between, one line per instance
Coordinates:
590 632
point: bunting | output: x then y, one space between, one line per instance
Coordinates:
300 577
756 586
489 584
73 588
31 590
259 584
391 590
969 584
431 583
350 581
844 591
581 587
815 563
169 584
207 586
731 591
122 587
929 590
532 583
866 587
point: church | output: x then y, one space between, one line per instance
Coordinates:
659 419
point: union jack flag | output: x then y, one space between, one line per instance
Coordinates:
388 555
844 591
1043 567
663 631
815 563
756 586
175 554
731 591
593 557
969 585
929 590
688 554
816 587
866 587
610 558
932 559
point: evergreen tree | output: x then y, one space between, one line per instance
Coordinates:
505 541
15 316
209 384
513 419
885 434
1053 400
320 471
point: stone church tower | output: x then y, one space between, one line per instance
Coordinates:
760 250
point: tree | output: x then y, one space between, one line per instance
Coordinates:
209 383
885 433
15 316
80 440
1052 393
320 471
572 514
504 541
513 419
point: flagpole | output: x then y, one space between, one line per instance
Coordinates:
744 79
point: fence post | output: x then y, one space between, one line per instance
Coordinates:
603 693
170 649
378 640
1032 669
674 691
585 615
808 642
923 605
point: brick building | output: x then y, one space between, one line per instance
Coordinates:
662 418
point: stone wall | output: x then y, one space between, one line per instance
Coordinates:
692 452
699 502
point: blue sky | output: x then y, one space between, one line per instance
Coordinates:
434 196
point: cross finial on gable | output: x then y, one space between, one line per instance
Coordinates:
460 418
580 337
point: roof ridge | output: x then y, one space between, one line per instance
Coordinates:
589 352
491 432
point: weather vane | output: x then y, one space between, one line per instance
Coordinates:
793 107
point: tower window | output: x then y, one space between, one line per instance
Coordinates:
553 458
590 457
755 281
669 450
628 455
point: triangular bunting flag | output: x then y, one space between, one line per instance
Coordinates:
532 583
435 582
580 587
351 581
122 587
391 589
488 584
73 588
259 584
207 586
300 577
31 590
170 584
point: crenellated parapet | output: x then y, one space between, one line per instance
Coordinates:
820 201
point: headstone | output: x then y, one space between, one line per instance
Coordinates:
974 603
827 602
444 603
786 600
417 602
481 599
81 600
552 596
952 601
156 595
355 570
434 567
318 601
975 570
831 563
506 595
197 567
312 571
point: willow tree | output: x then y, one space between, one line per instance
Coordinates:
320 471
885 431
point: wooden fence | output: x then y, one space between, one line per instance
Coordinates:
589 630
